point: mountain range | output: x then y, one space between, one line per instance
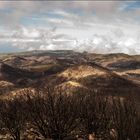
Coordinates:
112 74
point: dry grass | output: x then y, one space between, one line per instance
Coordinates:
6 84
81 72
135 71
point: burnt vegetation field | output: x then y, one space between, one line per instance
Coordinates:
67 95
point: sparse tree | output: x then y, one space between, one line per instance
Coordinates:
53 114
12 117
95 116
125 119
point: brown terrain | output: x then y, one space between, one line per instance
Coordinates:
111 74
114 77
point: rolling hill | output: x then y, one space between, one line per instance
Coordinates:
113 74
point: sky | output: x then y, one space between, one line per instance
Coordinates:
92 26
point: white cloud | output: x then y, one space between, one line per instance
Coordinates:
96 26
31 33
30 39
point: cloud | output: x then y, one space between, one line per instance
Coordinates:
20 9
73 13
96 26
100 7
49 39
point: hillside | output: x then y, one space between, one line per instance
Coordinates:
110 74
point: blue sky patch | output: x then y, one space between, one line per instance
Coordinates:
130 5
